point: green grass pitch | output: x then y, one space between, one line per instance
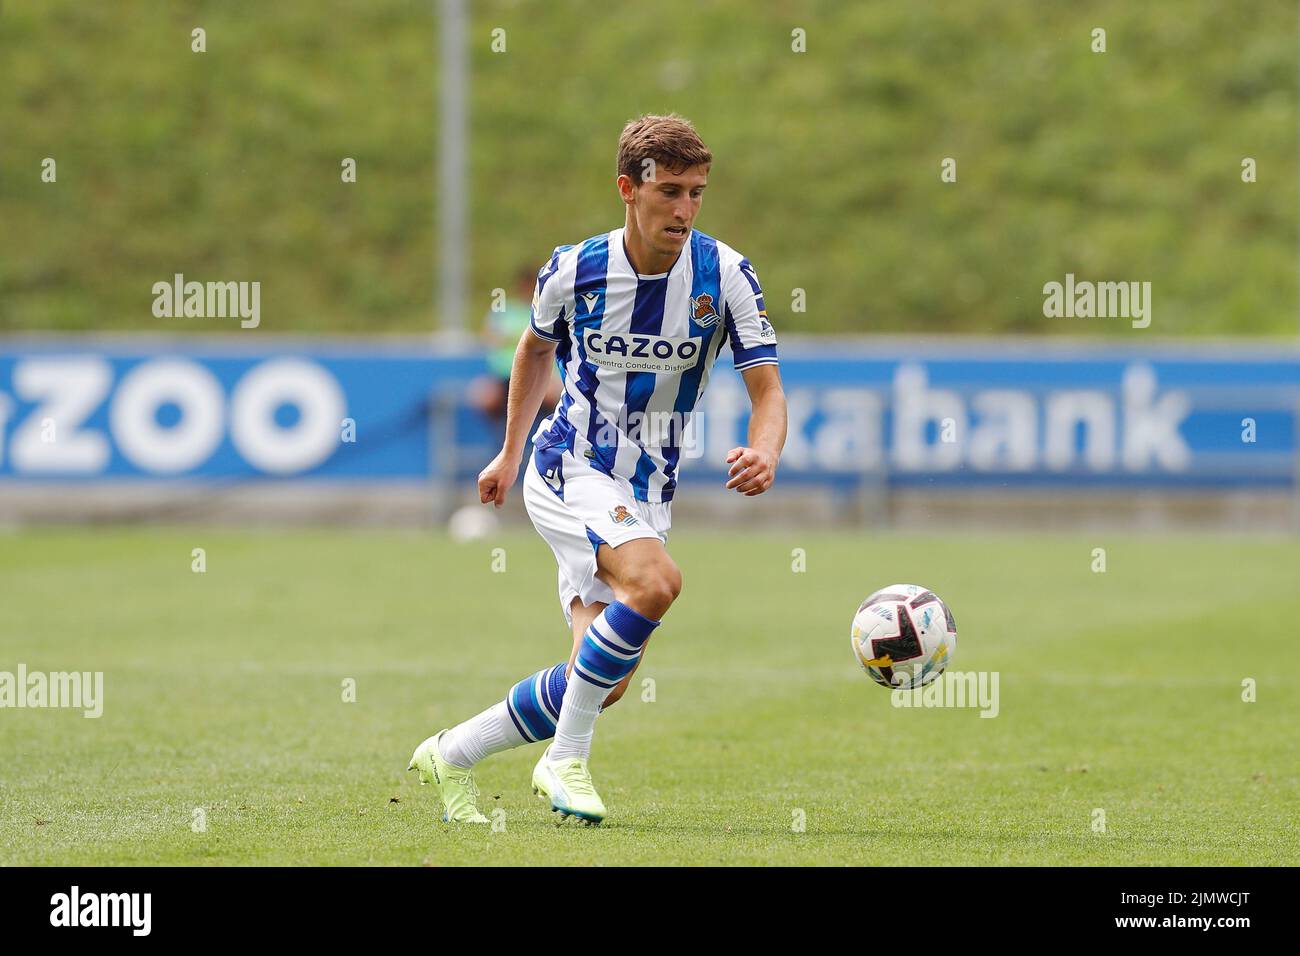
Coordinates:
1119 691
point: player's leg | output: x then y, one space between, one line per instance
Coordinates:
645 582
659 517
529 711
621 687
641 574
589 518
531 707
582 616
527 714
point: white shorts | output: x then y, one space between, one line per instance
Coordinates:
576 509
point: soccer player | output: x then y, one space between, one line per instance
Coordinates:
635 319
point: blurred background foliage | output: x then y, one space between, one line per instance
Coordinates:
226 164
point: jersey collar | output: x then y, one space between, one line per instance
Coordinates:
619 252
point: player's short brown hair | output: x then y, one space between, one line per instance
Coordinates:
671 141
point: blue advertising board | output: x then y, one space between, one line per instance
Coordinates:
916 412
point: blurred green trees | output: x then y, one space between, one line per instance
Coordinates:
226 164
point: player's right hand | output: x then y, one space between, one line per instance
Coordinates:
495 480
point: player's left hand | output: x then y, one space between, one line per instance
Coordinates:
752 471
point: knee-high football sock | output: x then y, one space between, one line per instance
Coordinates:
609 650
528 714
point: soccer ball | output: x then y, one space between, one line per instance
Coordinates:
471 523
903 636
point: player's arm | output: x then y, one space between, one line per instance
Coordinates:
753 468
529 377
753 347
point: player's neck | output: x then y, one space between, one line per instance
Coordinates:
645 261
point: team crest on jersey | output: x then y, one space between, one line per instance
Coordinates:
702 310
620 515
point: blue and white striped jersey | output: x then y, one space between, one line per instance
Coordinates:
635 351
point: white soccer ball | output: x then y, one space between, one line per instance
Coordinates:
903 636
472 523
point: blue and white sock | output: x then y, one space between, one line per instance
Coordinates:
609 651
528 714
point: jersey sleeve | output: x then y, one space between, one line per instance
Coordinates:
548 308
753 340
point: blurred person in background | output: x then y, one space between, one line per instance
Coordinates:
502 331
